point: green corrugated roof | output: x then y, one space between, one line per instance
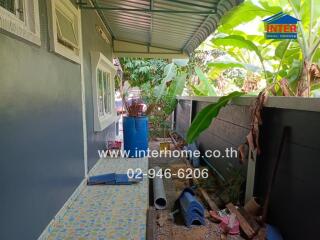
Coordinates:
161 23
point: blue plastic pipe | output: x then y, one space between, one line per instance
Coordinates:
191 209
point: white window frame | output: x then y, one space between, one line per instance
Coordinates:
99 61
29 27
67 8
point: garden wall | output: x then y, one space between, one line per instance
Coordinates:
294 199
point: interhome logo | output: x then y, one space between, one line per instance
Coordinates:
281 26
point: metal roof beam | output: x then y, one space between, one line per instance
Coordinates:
151 26
188 3
146 10
197 31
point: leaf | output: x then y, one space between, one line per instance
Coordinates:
181 62
294 72
244 13
315 86
282 48
237 41
170 72
223 65
197 91
204 79
204 118
316 56
177 87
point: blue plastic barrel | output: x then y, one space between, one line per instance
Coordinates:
135 136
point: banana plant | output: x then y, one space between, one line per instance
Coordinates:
290 60
230 42
207 89
171 71
308 12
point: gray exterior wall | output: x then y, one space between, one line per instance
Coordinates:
41 140
296 194
92 41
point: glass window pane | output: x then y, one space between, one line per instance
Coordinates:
65 25
109 94
8 4
105 97
100 93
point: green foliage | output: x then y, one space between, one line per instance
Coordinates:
247 12
170 71
278 58
204 118
237 41
175 89
140 71
160 82
204 79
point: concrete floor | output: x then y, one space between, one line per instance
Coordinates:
105 211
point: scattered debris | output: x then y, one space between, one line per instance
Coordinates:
178 141
114 145
161 218
244 224
230 225
164 146
175 226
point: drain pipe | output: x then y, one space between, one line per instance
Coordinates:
159 195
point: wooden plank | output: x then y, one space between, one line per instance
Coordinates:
244 224
251 171
210 202
250 219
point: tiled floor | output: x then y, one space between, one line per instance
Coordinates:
105 212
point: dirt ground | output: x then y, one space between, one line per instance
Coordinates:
162 224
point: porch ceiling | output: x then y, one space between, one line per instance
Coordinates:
160 26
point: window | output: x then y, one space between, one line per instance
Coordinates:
104 93
21 18
7 4
103 73
65 29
